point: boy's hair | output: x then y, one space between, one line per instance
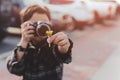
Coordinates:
27 13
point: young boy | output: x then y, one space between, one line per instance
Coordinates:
33 58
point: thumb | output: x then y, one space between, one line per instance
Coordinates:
48 40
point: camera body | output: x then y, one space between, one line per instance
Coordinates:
40 28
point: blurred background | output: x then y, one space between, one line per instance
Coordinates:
93 25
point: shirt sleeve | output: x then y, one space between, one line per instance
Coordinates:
14 66
63 58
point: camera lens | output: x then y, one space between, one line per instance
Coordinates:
42 28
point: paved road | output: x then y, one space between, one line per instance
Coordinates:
91 52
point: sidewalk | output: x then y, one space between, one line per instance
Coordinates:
4 74
110 70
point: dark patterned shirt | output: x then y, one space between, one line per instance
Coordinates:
40 62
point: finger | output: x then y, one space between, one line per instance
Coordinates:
30 32
27 29
31 28
23 25
52 38
58 39
63 42
48 40
30 36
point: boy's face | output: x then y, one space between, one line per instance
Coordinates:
39 17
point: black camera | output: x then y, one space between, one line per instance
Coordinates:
40 28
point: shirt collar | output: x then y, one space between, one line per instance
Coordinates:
39 45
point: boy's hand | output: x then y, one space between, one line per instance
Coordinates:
27 33
61 39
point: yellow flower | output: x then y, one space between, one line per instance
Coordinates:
49 33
